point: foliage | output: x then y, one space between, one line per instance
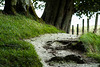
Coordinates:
92 43
14 51
86 7
37 5
1 2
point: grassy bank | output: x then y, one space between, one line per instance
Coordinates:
14 51
92 43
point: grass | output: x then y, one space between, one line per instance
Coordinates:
92 43
14 51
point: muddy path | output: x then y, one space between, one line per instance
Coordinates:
61 50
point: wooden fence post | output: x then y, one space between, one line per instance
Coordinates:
83 26
72 29
77 29
96 23
87 25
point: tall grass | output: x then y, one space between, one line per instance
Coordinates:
14 51
92 43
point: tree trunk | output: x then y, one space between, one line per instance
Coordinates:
96 24
19 6
59 13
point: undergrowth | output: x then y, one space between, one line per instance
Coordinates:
14 51
92 43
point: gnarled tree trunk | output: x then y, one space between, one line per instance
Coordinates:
59 13
19 6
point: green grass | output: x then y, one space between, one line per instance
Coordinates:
92 43
14 51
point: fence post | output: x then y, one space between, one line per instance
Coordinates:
87 25
96 22
77 29
72 29
83 26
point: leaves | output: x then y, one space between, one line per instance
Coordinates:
2 3
39 4
86 7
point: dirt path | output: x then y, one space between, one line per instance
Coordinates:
55 51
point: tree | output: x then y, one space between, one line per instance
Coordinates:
59 12
19 6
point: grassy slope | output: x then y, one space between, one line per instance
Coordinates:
14 52
92 43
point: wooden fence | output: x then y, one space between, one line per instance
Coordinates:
83 28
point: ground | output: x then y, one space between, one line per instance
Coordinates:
50 48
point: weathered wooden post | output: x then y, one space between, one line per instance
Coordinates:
96 23
87 25
77 29
72 29
83 26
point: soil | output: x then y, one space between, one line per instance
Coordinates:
62 50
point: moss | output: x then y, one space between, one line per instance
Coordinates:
13 11
32 11
13 2
14 51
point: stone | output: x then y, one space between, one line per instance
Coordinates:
76 59
68 58
78 46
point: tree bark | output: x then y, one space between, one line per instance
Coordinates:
59 13
9 7
19 6
96 24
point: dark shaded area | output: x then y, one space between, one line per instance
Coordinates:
64 42
14 7
58 13
78 46
68 58
72 45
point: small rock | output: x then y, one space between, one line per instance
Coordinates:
74 58
49 43
79 46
